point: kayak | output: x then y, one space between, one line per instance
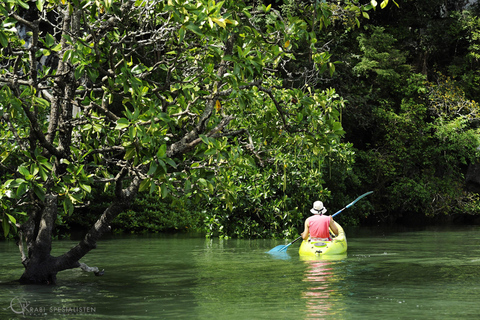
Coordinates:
338 246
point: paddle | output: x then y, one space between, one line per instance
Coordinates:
352 203
283 248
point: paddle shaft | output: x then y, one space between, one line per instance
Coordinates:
285 248
352 203
294 241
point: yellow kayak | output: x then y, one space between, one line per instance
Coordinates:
338 246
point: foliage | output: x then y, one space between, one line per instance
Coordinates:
223 113
150 215
272 199
418 163
173 98
415 138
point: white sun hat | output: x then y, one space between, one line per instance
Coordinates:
318 208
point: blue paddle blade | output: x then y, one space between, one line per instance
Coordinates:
283 248
280 255
277 249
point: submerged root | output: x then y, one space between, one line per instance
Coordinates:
95 270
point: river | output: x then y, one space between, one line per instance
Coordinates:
432 273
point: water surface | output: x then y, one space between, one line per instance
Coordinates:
427 274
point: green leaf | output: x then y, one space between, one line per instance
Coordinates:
187 186
11 218
130 153
162 164
49 39
122 123
181 33
383 4
86 187
57 48
40 5
43 174
79 71
162 151
68 206
92 74
3 11
194 28
170 162
67 55
210 187
163 191
144 185
23 4
39 192
23 171
6 227
153 168
220 22
204 138
3 39
41 102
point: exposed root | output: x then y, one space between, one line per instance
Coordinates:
95 270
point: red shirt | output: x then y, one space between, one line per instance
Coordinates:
318 226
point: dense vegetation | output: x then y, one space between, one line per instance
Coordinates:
307 101
408 83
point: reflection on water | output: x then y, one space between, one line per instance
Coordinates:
322 294
318 295
428 274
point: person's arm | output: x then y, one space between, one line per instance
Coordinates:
333 226
306 231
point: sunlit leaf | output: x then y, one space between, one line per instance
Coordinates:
220 22
130 153
23 4
49 40
181 33
145 184
86 187
122 123
162 151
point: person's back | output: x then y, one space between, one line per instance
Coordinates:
318 226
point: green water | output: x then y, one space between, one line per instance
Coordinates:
428 274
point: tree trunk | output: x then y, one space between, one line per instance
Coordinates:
39 243
40 266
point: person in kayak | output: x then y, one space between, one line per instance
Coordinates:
318 225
